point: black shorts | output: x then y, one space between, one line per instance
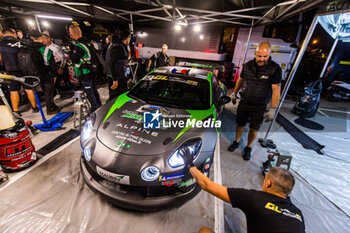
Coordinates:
249 113
16 86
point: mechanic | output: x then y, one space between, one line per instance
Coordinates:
268 210
59 57
81 58
116 64
45 66
159 59
257 78
9 47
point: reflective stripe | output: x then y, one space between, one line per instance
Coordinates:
45 56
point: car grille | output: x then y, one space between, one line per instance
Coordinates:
146 191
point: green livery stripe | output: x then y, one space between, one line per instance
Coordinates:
119 102
210 87
198 115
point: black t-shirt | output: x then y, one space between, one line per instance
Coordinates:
274 79
267 213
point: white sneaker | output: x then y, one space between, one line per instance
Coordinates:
58 96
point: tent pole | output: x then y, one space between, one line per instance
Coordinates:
249 35
329 56
292 73
37 23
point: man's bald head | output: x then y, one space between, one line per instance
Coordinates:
263 53
75 32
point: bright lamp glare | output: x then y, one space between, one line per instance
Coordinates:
30 22
197 28
54 17
177 27
201 37
46 24
183 39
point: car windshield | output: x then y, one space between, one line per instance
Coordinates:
173 91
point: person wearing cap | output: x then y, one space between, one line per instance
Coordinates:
45 64
9 48
159 59
116 64
81 58
58 55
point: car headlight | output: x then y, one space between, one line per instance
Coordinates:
87 153
176 160
87 129
150 173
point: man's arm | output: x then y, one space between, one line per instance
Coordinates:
238 85
209 186
276 89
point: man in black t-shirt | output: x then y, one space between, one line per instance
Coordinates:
268 210
159 59
259 78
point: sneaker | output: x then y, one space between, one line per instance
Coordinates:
234 146
53 110
58 96
247 153
17 113
36 109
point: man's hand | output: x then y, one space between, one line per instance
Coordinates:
60 70
114 85
270 114
147 69
187 157
234 98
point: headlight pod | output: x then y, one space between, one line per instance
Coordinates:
87 153
150 173
88 127
193 146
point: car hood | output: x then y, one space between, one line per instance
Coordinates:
122 128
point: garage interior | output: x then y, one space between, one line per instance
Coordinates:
51 195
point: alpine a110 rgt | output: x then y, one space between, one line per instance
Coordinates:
132 145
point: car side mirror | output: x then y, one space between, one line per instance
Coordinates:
224 100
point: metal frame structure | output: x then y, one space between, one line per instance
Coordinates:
170 13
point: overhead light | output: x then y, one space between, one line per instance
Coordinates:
183 39
142 34
201 37
54 17
315 41
197 28
178 27
30 22
46 24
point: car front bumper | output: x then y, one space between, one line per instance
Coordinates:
130 197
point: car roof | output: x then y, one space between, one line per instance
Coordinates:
183 71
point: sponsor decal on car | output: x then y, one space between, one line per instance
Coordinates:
187 183
133 116
151 108
113 177
131 137
171 177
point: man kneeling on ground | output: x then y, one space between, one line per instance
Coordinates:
268 210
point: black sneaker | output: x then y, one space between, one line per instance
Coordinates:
36 109
234 146
247 153
53 110
17 113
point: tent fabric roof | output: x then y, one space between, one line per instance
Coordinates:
228 12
